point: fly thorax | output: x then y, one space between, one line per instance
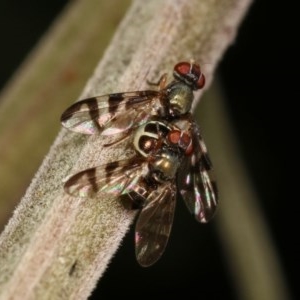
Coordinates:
165 165
180 98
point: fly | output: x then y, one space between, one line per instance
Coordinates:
170 156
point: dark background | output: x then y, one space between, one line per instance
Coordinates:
260 78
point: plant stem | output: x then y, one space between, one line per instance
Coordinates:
53 237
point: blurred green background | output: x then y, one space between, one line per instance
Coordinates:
258 74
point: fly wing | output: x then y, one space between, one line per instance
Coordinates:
154 225
115 178
196 180
118 111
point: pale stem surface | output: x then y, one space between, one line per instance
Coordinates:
52 233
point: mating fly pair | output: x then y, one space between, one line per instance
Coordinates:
171 157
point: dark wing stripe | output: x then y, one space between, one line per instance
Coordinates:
82 184
89 105
84 116
114 101
112 178
92 115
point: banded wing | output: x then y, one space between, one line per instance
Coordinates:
154 225
115 178
119 112
196 180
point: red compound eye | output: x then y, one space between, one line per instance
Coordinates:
189 73
174 136
181 139
182 68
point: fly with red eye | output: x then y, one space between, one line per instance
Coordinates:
170 156
106 115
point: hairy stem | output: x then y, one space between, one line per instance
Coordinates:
53 236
